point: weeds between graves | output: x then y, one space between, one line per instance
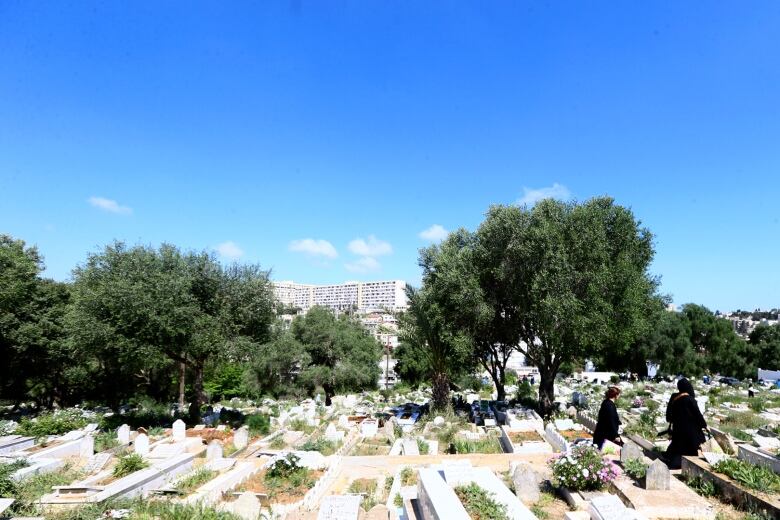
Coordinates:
635 468
106 441
143 510
31 489
193 481
408 477
489 445
8 485
51 423
127 464
480 504
422 446
751 476
367 488
284 481
701 486
322 445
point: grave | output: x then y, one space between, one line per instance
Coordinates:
436 499
87 447
369 427
246 506
332 434
179 430
526 483
410 447
630 451
214 450
751 454
241 438
96 463
678 502
658 476
609 507
141 445
123 435
339 507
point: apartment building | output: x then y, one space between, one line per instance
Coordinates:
363 297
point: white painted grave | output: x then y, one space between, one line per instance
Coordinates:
241 438
214 450
179 430
87 447
141 445
123 434
339 507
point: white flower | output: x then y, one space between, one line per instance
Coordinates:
585 473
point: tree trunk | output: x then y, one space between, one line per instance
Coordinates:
198 397
546 392
182 375
441 391
329 393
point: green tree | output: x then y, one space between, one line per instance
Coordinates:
714 339
185 307
766 339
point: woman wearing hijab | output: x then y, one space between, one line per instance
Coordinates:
687 424
608 422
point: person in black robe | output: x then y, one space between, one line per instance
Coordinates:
687 424
608 424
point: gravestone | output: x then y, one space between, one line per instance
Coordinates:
630 451
241 438
179 430
658 476
199 427
214 450
96 463
344 421
390 430
247 506
87 447
609 507
141 445
123 434
564 424
339 507
332 434
410 447
526 483
368 428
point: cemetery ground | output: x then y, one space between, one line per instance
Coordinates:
367 457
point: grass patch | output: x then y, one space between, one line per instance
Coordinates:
129 464
480 504
51 423
749 475
106 441
701 486
322 445
478 446
192 482
31 489
408 477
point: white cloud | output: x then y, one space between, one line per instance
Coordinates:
435 233
230 250
364 264
371 247
532 196
109 205
314 247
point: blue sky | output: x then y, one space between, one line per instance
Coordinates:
320 139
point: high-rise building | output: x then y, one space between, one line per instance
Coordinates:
389 295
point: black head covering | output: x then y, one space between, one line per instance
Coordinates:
683 385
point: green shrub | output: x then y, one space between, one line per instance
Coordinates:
322 445
702 486
408 477
51 423
8 485
635 468
583 468
106 441
423 446
284 468
129 464
480 504
258 424
477 446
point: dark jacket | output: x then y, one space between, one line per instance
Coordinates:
608 423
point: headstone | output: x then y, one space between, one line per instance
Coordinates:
87 447
526 483
241 438
609 507
564 424
123 435
247 506
179 430
368 428
96 463
339 507
571 412
658 476
410 447
630 451
332 434
141 445
390 430
91 427
214 450
344 421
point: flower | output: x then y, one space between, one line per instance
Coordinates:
585 473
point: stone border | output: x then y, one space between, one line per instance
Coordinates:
729 489
754 456
211 492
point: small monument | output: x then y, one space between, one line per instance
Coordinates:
141 445
179 430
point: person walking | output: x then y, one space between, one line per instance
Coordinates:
608 424
687 425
